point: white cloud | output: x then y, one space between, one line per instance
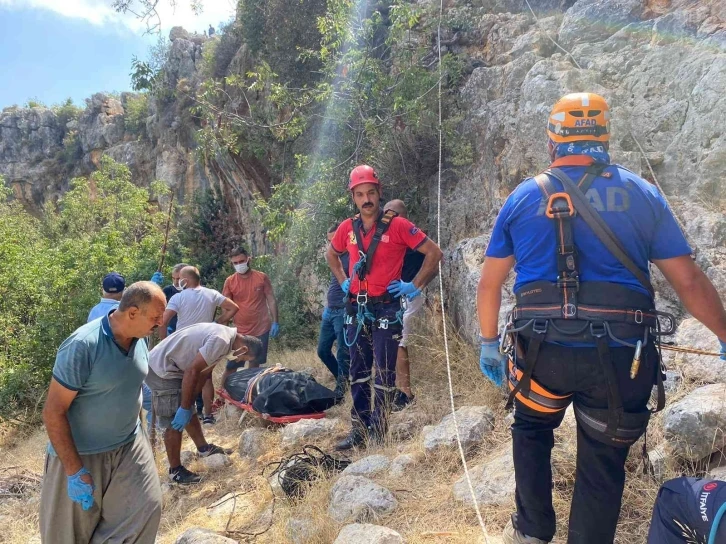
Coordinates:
100 12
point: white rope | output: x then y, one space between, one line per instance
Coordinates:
441 292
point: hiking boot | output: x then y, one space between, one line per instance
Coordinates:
355 439
401 400
213 449
208 420
180 475
510 535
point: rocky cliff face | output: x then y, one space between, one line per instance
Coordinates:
660 63
40 153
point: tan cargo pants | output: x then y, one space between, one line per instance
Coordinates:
127 499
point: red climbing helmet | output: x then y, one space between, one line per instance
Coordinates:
363 174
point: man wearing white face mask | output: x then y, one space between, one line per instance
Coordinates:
178 369
252 291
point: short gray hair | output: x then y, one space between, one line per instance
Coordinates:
140 294
177 267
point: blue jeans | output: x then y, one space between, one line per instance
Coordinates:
332 329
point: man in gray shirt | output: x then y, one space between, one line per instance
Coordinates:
178 369
100 480
197 304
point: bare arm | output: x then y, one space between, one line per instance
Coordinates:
696 291
229 309
168 316
59 429
336 267
430 266
272 305
494 273
191 379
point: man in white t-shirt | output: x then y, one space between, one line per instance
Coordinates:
178 367
197 304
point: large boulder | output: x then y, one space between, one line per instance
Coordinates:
216 461
373 464
307 429
694 426
198 535
366 533
700 368
355 498
474 423
493 482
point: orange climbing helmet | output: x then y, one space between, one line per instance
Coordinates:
363 174
579 116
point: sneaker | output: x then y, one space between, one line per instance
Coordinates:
213 449
217 405
401 400
208 420
510 535
182 476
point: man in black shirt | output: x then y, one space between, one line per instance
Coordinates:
411 265
332 329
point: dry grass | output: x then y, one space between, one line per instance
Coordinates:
426 503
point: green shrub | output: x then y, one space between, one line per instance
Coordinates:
136 110
34 103
67 111
51 270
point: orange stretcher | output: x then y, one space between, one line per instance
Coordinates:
282 420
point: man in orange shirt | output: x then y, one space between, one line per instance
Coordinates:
252 291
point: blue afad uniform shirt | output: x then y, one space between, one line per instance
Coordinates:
633 208
689 510
105 413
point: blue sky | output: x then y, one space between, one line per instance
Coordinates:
55 49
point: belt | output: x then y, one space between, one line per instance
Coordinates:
386 298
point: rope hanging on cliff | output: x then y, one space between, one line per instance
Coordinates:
441 293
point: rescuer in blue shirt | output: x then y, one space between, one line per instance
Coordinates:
581 328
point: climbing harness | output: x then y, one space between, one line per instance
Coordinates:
363 314
590 312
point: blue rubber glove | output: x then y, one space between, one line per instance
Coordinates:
181 419
274 330
79 491
400 288
723 350
158 278
491 362
345 286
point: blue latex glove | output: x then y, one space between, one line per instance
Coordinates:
158 278
400 288
181 419
79 491
491 362
274 330
723 350
345 286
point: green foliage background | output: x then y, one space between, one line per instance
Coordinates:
51 270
